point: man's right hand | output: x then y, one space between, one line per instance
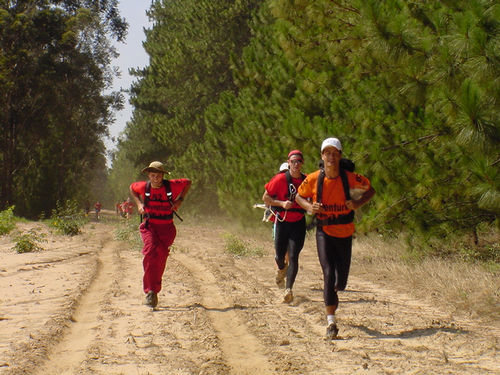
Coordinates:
316 207
286 205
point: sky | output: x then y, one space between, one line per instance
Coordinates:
132 55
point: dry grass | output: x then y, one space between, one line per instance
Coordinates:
463 288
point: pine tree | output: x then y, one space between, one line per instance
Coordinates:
404 85
54 68
190 49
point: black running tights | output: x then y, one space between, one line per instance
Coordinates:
289 236
335 258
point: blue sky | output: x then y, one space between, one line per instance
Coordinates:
132 55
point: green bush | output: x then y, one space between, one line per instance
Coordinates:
28 242
7 222
239 247
128 231
67 218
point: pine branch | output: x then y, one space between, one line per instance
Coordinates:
405 209
338 40
399 145
349 9
346 23
431 137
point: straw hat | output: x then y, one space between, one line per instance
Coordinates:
156 167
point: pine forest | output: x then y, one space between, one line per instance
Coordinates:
411 88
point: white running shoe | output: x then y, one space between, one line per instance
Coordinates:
332 331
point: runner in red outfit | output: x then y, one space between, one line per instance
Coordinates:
97 209
157 230
289 221
127 207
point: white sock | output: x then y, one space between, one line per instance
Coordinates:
330 319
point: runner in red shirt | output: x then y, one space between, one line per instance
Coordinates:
289 221
335 229
118 208
97 209
157 230
127 207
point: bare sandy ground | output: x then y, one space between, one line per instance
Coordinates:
76 308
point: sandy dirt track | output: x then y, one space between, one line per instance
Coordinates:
76 308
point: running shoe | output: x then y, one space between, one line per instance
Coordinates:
288 297
332 331
281 275
151 299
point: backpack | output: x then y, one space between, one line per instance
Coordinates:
345 164
168 191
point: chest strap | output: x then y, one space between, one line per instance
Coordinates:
160 217
336 219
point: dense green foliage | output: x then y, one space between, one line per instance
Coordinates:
7 220
54 68
411 88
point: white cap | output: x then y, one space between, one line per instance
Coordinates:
334 142
284 166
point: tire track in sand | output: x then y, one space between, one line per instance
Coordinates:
66 357
237 343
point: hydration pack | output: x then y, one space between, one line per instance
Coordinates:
147 197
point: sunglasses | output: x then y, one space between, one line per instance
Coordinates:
297 161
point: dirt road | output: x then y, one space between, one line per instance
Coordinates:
76 308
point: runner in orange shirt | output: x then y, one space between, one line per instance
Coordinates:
334 210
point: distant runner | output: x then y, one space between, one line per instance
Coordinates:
335 212
87 208
118 208
97 208
127 207
157 200
289 221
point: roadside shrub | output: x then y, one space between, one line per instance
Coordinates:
7 220
67 218
128 231
28 242
480 244
238 247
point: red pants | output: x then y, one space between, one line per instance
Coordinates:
157 239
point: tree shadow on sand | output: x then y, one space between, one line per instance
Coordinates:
409 334
190 307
